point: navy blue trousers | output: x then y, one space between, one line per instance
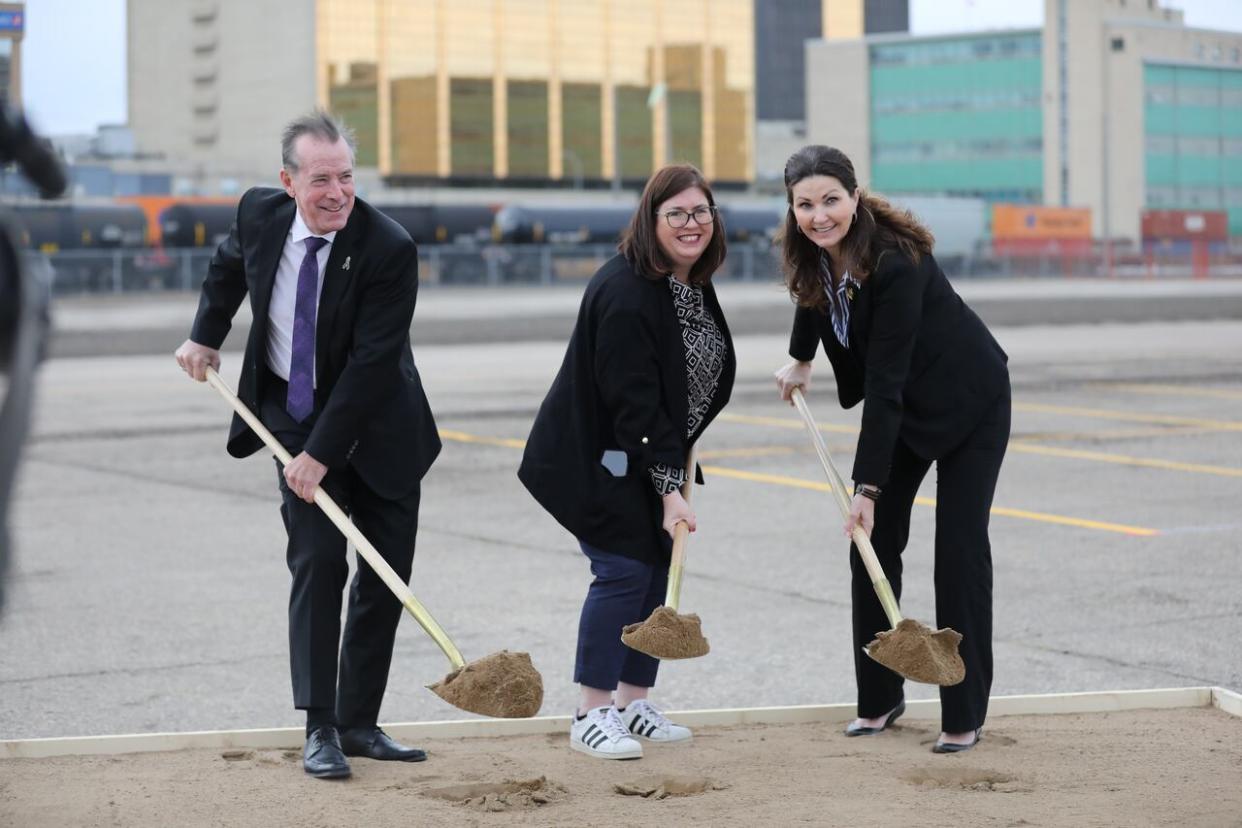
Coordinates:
625 591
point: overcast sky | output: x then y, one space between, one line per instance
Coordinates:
74 50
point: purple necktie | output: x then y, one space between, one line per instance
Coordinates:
301 399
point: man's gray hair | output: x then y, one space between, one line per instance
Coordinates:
318 124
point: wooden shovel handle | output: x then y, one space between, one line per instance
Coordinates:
368 552
681 533
836 482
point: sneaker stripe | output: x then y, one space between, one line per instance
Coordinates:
599 740
650 729
589 732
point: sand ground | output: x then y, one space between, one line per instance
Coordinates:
1133 768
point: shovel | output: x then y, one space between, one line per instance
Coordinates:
910 648
666 633
503 684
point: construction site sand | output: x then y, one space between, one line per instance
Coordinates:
1141 767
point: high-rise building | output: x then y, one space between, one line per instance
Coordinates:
524 91
12 26
1113 105
782 29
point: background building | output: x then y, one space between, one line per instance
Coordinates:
1114 106
458 91
782 29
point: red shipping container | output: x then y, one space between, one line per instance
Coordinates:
1174 225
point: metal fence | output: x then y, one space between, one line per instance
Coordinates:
153 269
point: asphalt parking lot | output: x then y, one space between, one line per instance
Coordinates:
148 590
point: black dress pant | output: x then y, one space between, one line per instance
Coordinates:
965 483
316 556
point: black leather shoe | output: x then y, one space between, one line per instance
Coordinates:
948 747
322 756
860 730
374 743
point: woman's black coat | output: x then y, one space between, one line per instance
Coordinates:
924 365
621 389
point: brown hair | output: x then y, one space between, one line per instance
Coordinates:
639 243
878 226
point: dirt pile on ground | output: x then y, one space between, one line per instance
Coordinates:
662 787
502 796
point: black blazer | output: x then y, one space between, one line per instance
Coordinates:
620 388
924 365
373 414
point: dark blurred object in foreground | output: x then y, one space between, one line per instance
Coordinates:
23 312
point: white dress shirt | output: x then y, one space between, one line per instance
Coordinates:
285 294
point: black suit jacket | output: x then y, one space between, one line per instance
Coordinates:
922 362
373 414
620 388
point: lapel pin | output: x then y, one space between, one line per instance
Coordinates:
346 265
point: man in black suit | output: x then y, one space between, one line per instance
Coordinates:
329 370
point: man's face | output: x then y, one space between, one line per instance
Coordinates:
323 185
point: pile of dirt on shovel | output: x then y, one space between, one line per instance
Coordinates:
667 634
920 653
504 684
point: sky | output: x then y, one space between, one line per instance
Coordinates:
74 50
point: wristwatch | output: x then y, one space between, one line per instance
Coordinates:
867 490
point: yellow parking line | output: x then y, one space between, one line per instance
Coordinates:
1128 416
815 485
758 451
1116 434
1022 514
1022 447
1124 460
463 437
1170 390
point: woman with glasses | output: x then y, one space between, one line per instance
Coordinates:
934 387
649 364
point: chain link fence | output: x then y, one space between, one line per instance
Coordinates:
153 269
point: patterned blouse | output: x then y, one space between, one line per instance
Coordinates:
705 359
838 300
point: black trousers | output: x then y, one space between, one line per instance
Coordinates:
965 483
316 556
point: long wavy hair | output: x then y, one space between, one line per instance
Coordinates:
877 227
639 243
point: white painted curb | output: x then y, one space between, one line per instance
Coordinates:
292 737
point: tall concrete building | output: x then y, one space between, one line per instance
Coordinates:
782 29
1113 105
524 91
12 27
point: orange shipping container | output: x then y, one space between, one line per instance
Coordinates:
1024 221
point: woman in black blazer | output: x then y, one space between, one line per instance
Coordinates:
934 387
649 364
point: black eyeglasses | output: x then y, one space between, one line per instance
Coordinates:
680 218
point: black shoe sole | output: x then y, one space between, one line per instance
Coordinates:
331 773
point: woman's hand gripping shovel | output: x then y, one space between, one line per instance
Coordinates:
910 648
667 634
503 684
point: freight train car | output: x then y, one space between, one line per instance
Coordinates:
603 224
196 224
443 223
55 227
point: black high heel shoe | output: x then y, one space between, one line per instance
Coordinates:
854 729
948 747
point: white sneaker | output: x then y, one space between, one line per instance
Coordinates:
645 722
602 734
